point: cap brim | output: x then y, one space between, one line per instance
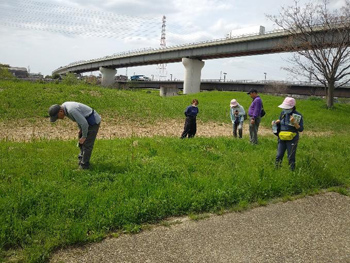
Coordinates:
53 118
286 107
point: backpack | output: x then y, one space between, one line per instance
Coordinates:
263 112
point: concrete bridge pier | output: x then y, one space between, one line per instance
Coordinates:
108 76
192 80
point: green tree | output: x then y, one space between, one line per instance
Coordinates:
70 79
5 73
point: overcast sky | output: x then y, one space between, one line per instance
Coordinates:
44 35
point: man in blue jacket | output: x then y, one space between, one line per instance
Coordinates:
254 113
88 121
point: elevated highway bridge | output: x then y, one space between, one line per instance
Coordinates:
192 55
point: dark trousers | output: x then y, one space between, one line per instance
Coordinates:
235 127
87 147
291 147
190 128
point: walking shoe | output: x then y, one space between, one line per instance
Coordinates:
83 167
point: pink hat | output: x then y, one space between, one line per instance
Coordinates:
288 103
234 103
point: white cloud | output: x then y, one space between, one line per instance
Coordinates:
87 29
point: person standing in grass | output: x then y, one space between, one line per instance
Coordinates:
237 114
190 128
290 123
88 121
254 113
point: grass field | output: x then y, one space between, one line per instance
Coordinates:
45 203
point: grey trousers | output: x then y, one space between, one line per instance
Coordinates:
291 147
253 130
87 147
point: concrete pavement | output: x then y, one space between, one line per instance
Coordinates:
311 229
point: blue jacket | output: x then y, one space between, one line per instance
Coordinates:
191 111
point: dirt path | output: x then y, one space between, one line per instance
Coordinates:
24 130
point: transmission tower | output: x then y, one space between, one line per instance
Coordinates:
162 67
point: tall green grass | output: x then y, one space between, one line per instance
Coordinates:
23 100
46 204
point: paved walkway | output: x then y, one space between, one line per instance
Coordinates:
312 229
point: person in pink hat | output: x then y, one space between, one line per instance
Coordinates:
237 114
289 124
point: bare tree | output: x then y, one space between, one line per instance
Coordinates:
320 40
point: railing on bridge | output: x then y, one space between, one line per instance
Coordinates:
175 47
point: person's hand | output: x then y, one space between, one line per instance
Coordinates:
82 140
252 121
292 120
277 121
79 134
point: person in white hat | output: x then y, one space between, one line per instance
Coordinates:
289 124
237 114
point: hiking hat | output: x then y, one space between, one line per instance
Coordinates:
288 103
53 112
233 103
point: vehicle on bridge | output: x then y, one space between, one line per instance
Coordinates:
139 78
121 78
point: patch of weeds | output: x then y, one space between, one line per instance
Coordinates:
146 227
340 190
262 202
197 217
115 234
132 229
287 198
241 206
220 211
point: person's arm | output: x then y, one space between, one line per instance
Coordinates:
232 115
81 121
186 111
242 113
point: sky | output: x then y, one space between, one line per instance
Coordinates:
45 35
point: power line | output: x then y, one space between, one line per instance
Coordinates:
28 14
